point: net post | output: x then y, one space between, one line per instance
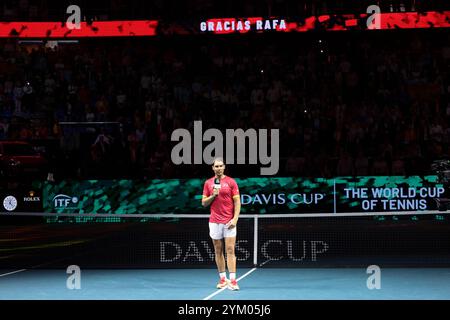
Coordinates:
255 241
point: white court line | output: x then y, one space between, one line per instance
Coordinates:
281 257
219 291
35 266
17 271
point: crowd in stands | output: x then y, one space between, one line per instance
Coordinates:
345 104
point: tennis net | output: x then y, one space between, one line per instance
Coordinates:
182 240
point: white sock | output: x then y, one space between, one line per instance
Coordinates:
222 275
232 275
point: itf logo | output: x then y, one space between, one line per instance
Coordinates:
62 201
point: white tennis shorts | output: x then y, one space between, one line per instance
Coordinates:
219 231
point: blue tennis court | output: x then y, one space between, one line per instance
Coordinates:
303 257
199 284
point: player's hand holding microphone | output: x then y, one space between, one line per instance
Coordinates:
216 187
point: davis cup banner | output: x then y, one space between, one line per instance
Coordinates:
258 195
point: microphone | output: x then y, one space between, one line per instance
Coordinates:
216 183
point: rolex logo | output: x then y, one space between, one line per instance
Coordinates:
31 197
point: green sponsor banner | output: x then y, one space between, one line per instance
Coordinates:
258 195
